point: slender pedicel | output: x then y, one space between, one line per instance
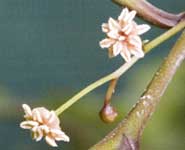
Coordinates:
147 48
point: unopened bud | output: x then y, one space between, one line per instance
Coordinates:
108 113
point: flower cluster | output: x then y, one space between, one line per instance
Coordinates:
43 123
123 36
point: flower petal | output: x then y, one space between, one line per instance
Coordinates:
59 135
28 124
126 27
53 120
117 47
35 128
105 27
113 24
130 16
27 110
39 135
44 128
64 138
123 14
37 115
137 52
51 141
121 38
125 54
56 131
129 29
106 43
142 28
113 34
136 41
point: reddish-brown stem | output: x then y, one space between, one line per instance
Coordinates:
152 14
108 113
110 91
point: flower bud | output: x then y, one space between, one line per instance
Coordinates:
108 113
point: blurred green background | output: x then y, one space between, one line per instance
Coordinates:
49 51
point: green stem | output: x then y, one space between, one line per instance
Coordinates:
164 36
96 84
147 47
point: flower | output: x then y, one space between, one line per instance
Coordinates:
123 36
43 123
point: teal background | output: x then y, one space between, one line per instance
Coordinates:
49 51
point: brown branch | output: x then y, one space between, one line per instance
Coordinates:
152 14
127 134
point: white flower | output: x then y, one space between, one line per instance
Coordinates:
43 123
123 36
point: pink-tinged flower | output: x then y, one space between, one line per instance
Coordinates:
43 123
123 36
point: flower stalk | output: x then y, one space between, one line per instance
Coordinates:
110 90
116 74
165 36
96 84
